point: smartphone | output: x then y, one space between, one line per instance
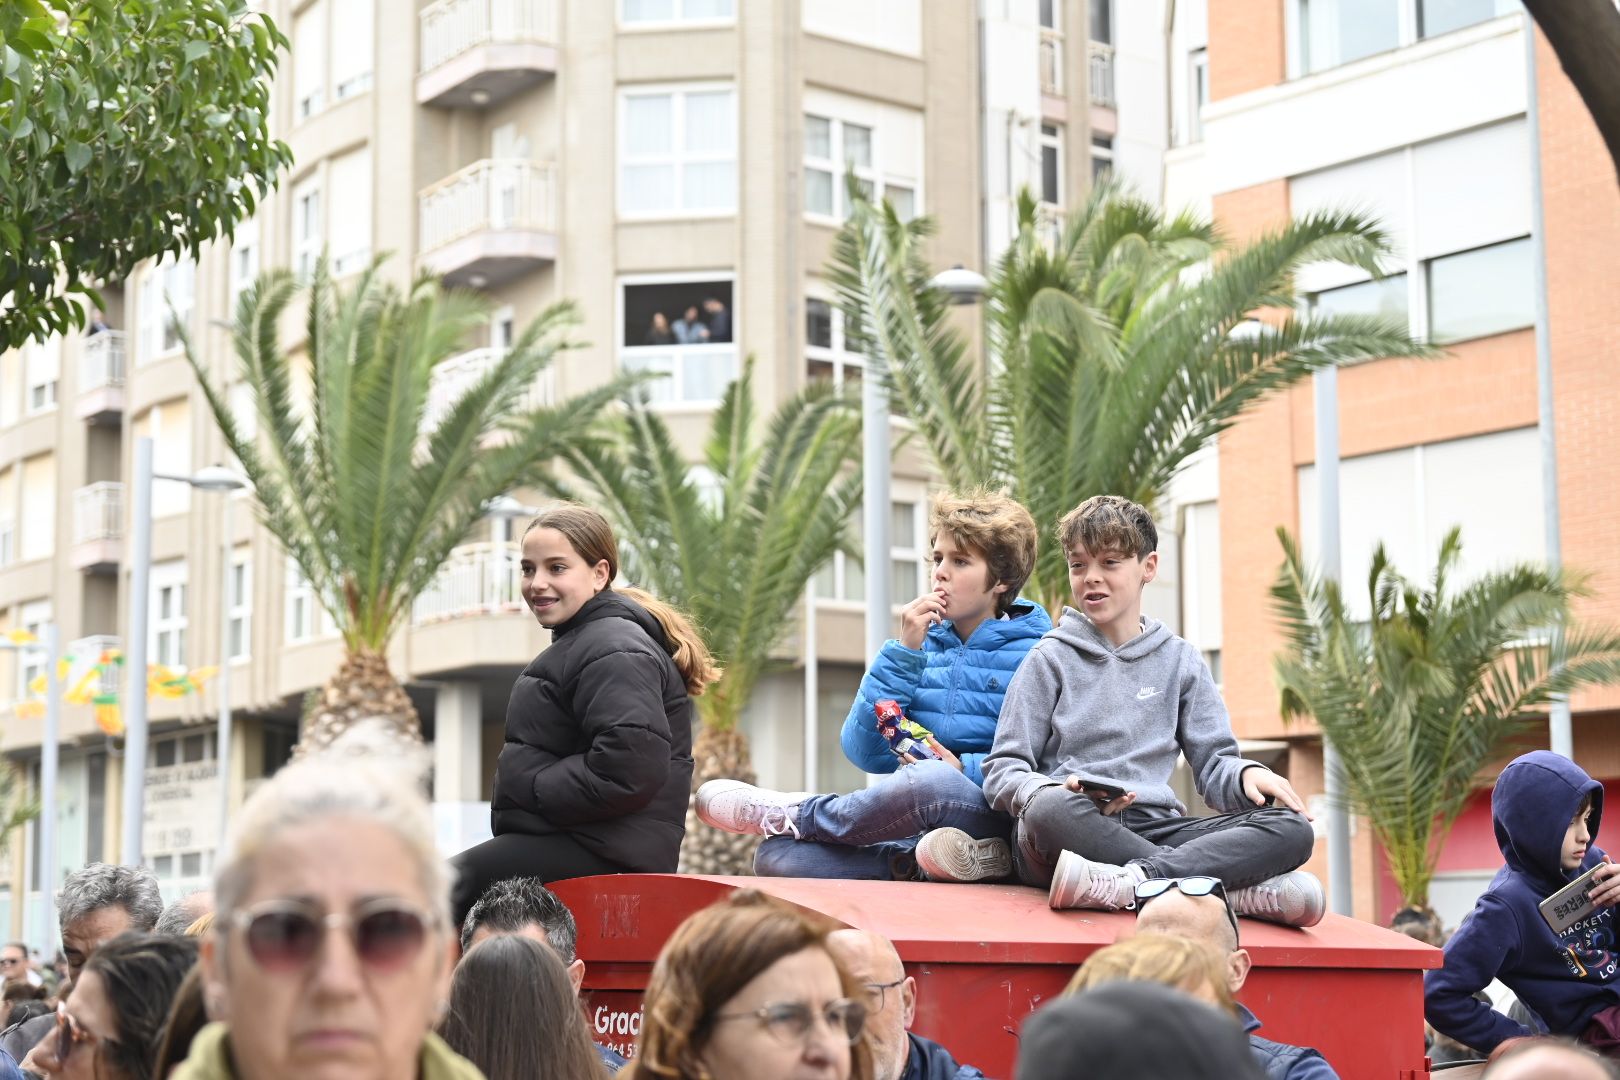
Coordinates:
1096 789
916 748
1569 905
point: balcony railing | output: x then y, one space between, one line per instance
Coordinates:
1051 62
1101 59
87 653
451 27
489 195
477 579
98 512
101 363
452 378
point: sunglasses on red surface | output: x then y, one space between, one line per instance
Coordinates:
284 936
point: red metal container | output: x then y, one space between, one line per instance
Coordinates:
986 956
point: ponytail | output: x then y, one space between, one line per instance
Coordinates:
691 656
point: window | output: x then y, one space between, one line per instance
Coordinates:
678 152
307 225
1436 17
1049 15
1481 292
844 578
643 13
881 145
1201 580
169 427
891 25
1334 32
826 352
309 61
167 641
31 662
1102 21
244 257
42 369
1386 296
39 507
241 608
682 330
1102 156
8 515
349 180
165 285
353 35
1052 165
301 604
1198 90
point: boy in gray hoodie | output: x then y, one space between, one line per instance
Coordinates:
1090 732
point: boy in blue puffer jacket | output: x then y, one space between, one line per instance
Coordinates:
958 648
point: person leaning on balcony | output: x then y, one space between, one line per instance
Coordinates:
597 765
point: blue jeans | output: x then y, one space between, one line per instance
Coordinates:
870 833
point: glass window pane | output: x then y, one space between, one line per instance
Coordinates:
163 866
1386 296
705 375
1338 31
1481 292
191 749
1049 14
1102 22
661 364
825 582
818 192
818 323
649 10
902 524
903 199
855 580
1443 16
1051 190
858 146
903 581
648 122
711 187
191 864
706 9
817 137
708 123
164 752
649 188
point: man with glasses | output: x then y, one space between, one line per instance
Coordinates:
1197 908
891 1005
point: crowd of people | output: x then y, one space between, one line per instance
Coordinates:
708 325
338 942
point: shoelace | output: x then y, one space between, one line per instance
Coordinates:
1262 899
774 821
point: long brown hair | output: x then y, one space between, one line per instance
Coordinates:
513 1014
706 962
592 539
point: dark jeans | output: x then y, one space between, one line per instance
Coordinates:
512 855
1241 849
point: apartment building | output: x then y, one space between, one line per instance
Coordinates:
642 157
1415 110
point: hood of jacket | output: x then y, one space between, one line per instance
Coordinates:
1081 634
1534 801
1025 620
609 604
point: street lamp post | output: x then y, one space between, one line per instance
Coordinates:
49 645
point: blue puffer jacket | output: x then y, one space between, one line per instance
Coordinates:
949 686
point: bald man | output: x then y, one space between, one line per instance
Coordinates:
891 1005
1208 919
1549 1059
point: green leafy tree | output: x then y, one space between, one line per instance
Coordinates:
130 129
1425 695
733 543
364 494
1120 346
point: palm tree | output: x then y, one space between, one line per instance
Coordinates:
366 494
733 543
1117 351
1432 689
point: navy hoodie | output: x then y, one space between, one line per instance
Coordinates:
1566 978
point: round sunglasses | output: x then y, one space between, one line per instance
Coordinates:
284 936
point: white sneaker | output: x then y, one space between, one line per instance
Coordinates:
1293 899
1080 883
735 807
953 855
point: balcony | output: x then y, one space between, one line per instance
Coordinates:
452 378
477 579
480 52
101 378
1051 64
98 527
489 222
1101 68
87 653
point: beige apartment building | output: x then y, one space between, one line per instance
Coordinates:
638 156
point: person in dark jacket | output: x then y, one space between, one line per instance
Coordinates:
1546 812
891 1006
597 765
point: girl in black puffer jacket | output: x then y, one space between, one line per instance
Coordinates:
597 766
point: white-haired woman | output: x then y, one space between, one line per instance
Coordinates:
331 950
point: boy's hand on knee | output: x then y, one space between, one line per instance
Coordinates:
1109 807
1262 784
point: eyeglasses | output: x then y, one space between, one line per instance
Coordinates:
789 1022
284 936
1197 885
875 992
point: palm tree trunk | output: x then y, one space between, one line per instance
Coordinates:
719 753
362 689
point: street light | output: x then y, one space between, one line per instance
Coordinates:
962 285
212 478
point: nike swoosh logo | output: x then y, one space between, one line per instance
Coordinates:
1147 692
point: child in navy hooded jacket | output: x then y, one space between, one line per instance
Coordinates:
1546 812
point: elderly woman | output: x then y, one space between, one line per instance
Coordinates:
747 990
331 950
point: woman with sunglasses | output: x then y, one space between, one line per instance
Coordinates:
110 1025
515 1015
331 948
747 990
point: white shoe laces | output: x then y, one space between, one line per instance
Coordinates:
776 821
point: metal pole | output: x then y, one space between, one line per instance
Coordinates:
49 763
1560 730
1327 494
222 749
812 692
140 572
875 510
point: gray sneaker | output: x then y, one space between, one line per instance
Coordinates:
1080 883
735 807
953 855
1293 899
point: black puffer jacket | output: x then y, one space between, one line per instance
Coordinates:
599 740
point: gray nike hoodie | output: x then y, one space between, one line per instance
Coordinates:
1078 706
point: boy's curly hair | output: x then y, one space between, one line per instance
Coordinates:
1109 524
996 527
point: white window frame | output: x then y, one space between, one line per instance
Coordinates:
838 164
838 353
1053 142
240 602
1408 16
676 402
345 263
1197 79
244 258
157 291
41 379
307 248
1427 268
31 663
676 157
1103 154
166 635
299 591
912 551
678 22
313 103
360 82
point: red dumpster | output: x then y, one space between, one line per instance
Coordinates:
985 956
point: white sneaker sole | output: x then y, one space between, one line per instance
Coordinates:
952 855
